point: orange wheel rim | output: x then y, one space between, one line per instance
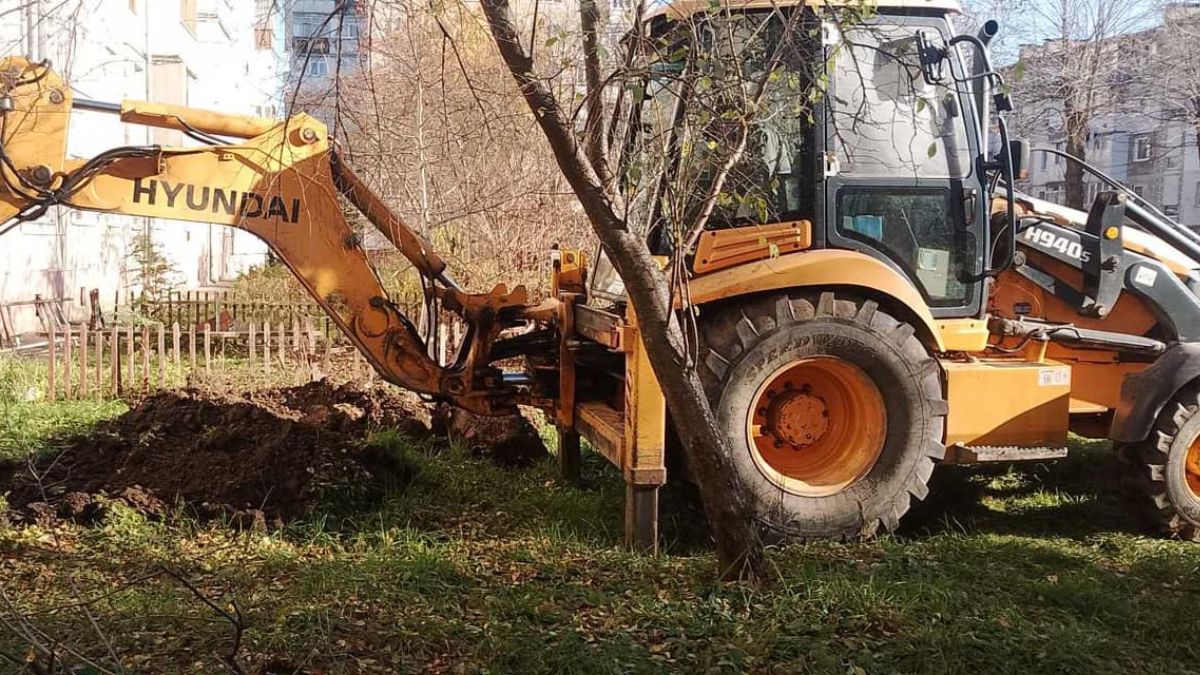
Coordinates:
1191 468
818 426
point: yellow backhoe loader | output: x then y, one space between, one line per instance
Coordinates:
896 303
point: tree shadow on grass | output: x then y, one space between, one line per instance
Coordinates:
1078 496
454 492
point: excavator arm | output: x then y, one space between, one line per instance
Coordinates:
285 183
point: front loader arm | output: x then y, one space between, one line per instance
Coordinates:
281 184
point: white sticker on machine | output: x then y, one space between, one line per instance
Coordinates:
1145 276
1054 377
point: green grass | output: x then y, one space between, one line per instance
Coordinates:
473 568
27 421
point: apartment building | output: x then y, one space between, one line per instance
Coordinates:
1132 137
220 54
326 38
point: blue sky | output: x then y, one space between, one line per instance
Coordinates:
1033 21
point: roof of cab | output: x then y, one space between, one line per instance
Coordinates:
678 9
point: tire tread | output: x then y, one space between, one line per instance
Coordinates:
725 347
1147 468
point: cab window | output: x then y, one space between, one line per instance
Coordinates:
901 156
887 121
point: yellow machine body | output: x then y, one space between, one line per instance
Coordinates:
1006 401
283 181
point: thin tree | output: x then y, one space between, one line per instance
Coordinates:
1072 78
725 96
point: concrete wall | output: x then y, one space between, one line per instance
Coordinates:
142 49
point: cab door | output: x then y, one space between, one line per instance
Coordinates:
901 181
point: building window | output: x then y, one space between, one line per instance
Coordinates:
306 24
1059 146
264 37
1045 160
1141 148
168 84
318 67
1139 190
1198 193
1172 161
1171 210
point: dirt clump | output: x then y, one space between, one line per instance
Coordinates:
509 440
348 409
256 460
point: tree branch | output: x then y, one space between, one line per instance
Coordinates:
595 135
726 504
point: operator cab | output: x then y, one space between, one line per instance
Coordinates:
862 127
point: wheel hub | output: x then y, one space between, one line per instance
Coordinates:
797 418
817 425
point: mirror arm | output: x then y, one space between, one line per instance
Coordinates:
1005 166
930 57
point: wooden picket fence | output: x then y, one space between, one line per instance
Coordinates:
188 337
135 360
224 309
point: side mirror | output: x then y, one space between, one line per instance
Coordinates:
1019 149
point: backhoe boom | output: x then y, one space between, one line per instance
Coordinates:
282 184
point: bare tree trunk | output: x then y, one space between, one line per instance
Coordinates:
1077 130
726 504
422 154
594 131
1195 120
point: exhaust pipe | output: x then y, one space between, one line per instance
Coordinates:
987 32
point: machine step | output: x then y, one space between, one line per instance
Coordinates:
604 428
972 454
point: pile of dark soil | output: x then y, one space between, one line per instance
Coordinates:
510 441
258 460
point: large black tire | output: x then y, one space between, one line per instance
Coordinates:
745 341
1160 486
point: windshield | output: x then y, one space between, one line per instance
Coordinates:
885 119
650 150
